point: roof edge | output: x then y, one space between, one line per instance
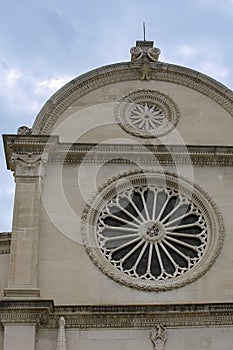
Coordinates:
124 71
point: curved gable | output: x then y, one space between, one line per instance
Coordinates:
125 72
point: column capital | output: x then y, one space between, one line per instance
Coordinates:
29 165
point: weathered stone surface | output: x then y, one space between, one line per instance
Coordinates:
76 146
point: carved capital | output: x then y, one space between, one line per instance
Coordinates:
29 165
158 337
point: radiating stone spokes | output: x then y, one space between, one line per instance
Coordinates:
152 231
149 233
147 113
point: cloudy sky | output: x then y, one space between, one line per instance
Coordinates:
46 43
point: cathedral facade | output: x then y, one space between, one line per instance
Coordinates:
122 226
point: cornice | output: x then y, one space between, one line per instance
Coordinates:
144 154
126 71
46 315
147 316
19 311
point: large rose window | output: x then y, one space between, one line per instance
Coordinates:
152 231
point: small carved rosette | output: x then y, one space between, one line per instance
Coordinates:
147 113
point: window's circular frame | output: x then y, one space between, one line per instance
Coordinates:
202 203
131 113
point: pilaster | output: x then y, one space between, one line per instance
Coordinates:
29 172
19 336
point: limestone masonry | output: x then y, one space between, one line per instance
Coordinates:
122 233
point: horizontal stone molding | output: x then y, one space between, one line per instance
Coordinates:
21 292
20 311
116 153
46 315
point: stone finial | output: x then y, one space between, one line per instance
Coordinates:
24 130
158 337
61 339
144 51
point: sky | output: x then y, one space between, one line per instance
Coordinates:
46 43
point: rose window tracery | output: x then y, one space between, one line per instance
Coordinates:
151 232
147 113
146 116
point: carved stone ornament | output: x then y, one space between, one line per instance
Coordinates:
150 155
147 113
45 315
145 71
158 337
152 231
29 164
61 339
144 50
5 242
24 130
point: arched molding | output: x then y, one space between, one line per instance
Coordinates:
127 71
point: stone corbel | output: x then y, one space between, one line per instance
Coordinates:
29 165
158 337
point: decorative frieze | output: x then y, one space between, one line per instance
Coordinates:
46 315
30 154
